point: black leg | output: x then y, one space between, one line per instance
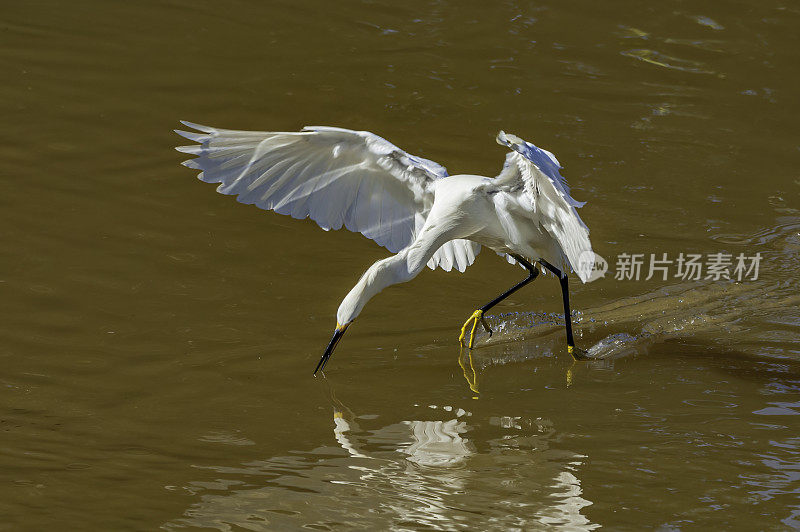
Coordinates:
564 280
567 314
533 272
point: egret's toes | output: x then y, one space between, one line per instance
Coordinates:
471 324
578 353
486 325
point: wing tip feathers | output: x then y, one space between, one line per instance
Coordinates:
199 127
191 150
195 137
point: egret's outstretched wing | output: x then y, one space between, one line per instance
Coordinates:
537 172
336 177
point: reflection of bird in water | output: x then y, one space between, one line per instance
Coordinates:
433 443
468 367
472 370
411 206
451 470
442 462
437 443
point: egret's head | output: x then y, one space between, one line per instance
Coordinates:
373 280
350 307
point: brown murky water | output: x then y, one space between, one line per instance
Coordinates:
158 338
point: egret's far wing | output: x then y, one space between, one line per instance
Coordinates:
458 254
537 170
336 177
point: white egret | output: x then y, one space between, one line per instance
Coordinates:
407 204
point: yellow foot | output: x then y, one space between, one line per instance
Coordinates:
471 324
577 353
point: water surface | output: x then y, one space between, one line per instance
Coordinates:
158 338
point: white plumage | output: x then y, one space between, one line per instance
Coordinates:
407 204
334 176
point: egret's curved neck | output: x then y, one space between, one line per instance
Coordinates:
398 268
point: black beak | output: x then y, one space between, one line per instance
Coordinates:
337 335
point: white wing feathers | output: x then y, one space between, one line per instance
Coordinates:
458 254
537 171
336 177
